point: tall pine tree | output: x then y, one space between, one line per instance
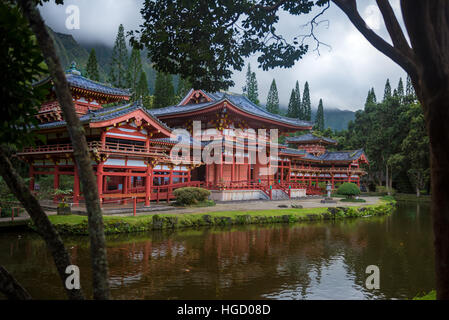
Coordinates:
400 90
273 99
164 92
319 120
291 105
142 86
134 71
92 66
387 90
250 89
119 61
299 113
183 88
306 104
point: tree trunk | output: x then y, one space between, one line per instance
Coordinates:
40 220
386 180
417 192
80 151
437 117
11 288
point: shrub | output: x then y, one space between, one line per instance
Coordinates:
348 189
191 195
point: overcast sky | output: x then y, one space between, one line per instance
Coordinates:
341 75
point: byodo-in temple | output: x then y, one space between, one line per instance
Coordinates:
131 147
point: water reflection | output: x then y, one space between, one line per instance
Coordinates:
303 261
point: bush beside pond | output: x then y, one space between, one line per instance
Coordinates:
78 224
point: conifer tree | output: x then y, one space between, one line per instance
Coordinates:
273 99
250 89
306 105
142 87
163 91
371 97
299 113
387 90
134 71
92 66
319 120
409 90
183 88
119 61
291 105
400 88
373 94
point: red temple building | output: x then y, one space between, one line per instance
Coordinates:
131 147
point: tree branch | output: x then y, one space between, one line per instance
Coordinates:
11 288
393 28
349 7
80 151
45 228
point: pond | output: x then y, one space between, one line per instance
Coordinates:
325 260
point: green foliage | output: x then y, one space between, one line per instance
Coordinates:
135 73
352 200
250 89
348 189
432 295
142 87
118 72
319 119
21 64
306 104
387 90
216 44
191 195
273 99
164 93
92 67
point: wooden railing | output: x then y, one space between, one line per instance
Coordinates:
96 145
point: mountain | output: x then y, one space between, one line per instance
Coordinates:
337 119
68 50
334 118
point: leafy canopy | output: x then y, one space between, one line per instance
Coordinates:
204 40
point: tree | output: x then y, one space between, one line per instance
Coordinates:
415 146
319 120
134 71
119 61
184 87
92 66
387 90
230 30
250 89
164 93
142 87
22 64
400 89
82 160
291 112
298 106
273 99
306 104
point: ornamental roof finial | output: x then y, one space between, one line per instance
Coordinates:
73 69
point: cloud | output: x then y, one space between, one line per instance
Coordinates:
340 76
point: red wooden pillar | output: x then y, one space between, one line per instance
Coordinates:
249 167
221 180
125 185
76 185
189 174
31 174
232 169
100 180
56 180
206 179
103 138
358 181
148 178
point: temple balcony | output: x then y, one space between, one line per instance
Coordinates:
96 146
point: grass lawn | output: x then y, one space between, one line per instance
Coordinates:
411 197
300 213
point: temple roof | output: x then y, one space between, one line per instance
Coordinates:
239 101
336 156
75 79
108 113
310 138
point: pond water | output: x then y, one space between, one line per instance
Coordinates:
325 260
